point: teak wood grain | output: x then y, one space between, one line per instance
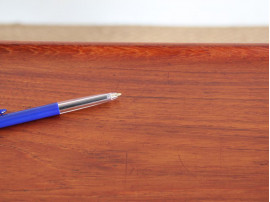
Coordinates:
192 124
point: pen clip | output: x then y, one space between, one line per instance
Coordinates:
2 111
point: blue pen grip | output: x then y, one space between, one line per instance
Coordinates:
29 115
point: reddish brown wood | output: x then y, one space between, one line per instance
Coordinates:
192 123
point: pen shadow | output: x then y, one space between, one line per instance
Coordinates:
23 127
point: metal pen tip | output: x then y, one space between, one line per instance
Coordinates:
115 95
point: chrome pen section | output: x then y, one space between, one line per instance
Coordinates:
85 102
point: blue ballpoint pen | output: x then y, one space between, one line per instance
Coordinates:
53 109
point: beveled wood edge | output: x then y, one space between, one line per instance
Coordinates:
69 43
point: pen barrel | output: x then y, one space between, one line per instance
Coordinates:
29 115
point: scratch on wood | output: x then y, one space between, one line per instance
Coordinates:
220 152
126 162
126 167
131 171
168 77
182 163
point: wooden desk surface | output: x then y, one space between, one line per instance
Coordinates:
192 123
